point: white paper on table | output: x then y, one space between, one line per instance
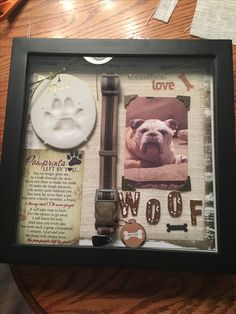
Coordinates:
215 19
165 10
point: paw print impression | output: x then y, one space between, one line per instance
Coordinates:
63 112
65 117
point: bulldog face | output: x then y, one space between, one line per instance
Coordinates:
153 134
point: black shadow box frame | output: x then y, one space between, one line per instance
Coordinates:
221 55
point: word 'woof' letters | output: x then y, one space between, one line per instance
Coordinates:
153 206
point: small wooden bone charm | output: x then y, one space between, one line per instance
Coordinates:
183 227
186 82
133 234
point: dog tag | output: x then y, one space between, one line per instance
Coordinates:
133 234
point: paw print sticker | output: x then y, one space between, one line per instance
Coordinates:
74 158
63 112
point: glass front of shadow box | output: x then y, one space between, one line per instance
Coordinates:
165 163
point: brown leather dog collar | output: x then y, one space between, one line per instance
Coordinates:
106 195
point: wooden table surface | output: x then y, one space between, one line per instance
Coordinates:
92 290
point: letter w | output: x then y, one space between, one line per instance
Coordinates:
129 202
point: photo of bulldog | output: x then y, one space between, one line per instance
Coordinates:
156 138
149 143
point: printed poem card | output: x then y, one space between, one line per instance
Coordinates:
51 195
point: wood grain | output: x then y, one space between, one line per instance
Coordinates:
93 290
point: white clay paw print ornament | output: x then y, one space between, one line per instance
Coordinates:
63 112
